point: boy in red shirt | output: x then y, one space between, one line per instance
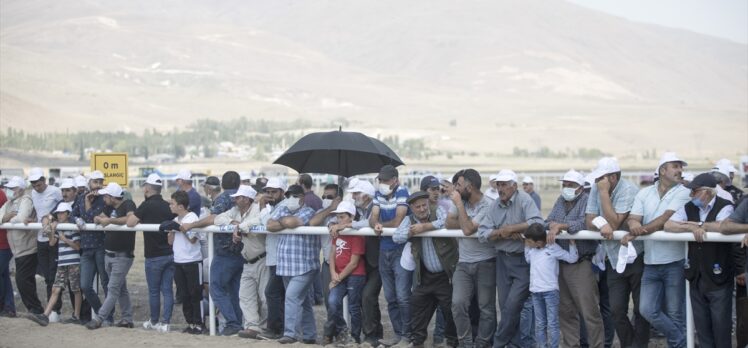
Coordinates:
348 275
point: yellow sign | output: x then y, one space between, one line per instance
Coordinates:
113 165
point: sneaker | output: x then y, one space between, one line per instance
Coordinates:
309 341
249 333
54 317
188 330
286 340
71 320
229 331
40 319
94 324
148 325
162 327
126 324
199 330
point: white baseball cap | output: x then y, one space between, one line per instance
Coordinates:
670 157
96 175
574 176
246 191
605 165
728 164
245 176
506 175
183 174
113 189
345 207
63 206
80 181
365 187
35 174
688 176
352 183
493 177
16 181
275 183
722 168
154 179
527 180
67 183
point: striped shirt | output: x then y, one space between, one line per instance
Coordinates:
297 254
388 211
428 255
66 255
573 217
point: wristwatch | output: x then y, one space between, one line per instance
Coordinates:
701 223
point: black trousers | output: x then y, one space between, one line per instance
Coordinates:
371 317
189 282
434 289
26 282
47 255
275 295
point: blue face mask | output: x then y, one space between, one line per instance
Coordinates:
697 202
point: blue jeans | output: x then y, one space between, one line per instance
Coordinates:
665 284
92 263
352 286
6 287
298 307
159 274
527 324
546 315
397 283
225 278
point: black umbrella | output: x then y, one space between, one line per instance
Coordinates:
340 153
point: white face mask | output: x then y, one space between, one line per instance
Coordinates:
10 193
293 204
326 203
569 193
385 189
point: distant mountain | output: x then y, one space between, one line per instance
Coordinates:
510 73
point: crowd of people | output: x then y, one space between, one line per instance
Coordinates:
509 283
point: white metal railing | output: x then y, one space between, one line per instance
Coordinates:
587 235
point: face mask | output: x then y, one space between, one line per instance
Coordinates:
293 204
385 189
697 202
569 193
326 203
10 193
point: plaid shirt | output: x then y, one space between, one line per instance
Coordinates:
574 217
90 239
297 254
223 243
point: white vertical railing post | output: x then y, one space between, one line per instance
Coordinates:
211 305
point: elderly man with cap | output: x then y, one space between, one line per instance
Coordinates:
228 264
184 183
18 209
45 198
475 273
528 185
275 291
119 248
298 264
503 224
663 295
710 268
435 260
244 215
390 208
726 166
608 206
363 194
159 255
81 183
578 297
211 188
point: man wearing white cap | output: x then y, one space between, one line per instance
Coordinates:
244 215
184 182
119 248
492 192
663 295
578 295
529 186
608 206
45 198
504 223
725 189
22 243
159 255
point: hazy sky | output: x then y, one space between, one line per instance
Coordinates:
722 18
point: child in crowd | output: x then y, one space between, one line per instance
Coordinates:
348 275
543 259
187 261
68 265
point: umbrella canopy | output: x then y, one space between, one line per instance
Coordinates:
340 153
